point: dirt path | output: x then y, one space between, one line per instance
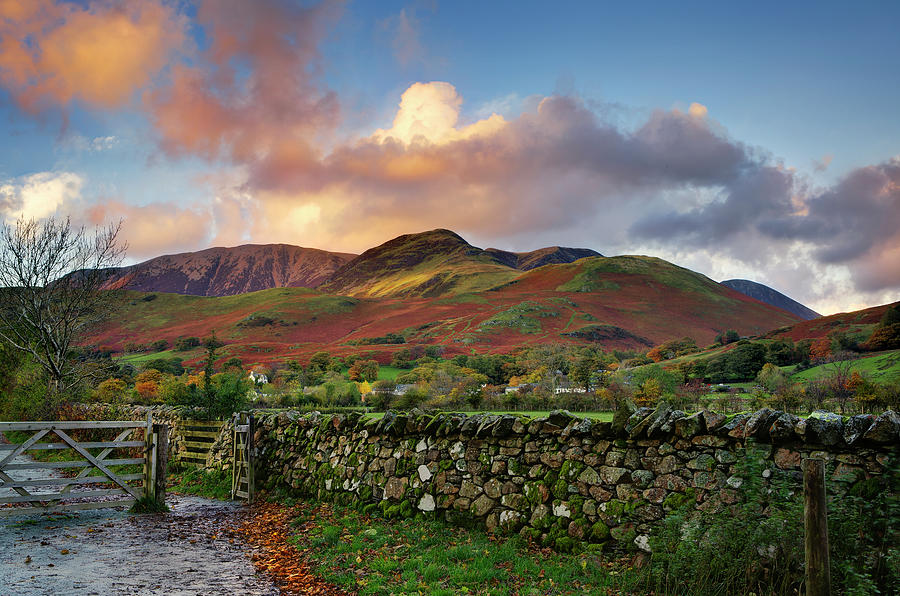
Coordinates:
188 551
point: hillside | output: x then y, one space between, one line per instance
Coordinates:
230 271
617 303
858 324
768 295
427 264
552 255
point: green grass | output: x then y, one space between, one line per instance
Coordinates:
140 359
367 554
389 373
883 368
601 416
191 480
522 317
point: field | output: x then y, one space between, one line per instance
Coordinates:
880 368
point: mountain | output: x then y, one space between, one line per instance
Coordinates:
229 271
626 303
526 261
769 296
427 264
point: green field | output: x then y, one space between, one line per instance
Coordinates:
141 359
882 368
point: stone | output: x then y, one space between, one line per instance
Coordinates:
653 421
690 426
515 501
725 457
642 541
422 445
667 465
670 482
787 459
856 427
885 429
483 505
636 418
654 495
642 478
600 494
492 488
577 529
824 428
426 503
623 533
510 520
395 488
539 516
498 466
709 441
468 489
611 475
713 421
625 408
735 482
561 418
615 458
561 509
424 473
589 476
757 426
781 428
627 492
736 426
704 461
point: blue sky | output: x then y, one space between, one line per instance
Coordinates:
802 96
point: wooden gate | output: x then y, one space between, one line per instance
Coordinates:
196 437
242 485
96 474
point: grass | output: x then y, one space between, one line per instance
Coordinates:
140 359
186 479
883 368
389 373
367 554
601 416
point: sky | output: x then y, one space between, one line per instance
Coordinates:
742 140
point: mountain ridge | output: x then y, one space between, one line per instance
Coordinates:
771 296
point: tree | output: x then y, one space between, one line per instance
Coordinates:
53 278
364 370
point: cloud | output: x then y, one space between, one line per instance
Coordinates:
53 53
405 40
150 229
39 195
253 95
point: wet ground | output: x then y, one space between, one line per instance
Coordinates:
187 551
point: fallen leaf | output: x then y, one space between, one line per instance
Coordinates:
64 551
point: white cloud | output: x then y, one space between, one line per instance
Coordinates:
39 195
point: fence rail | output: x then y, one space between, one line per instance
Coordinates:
96 478
196 438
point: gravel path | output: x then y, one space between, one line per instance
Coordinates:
187 551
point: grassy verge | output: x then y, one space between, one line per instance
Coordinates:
602 416
366 554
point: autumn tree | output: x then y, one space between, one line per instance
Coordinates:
53 278
364 370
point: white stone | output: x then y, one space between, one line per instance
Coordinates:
328 484
421 446
424 473
457 450
561 510
508 517
642 542
426 503
735 482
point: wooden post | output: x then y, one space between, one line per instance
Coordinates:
251 452
161 433
818 572
148 453
235 475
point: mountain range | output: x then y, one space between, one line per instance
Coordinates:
273 302
427 264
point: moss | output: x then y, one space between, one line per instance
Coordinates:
561 489
406 509
599 532
531 534
564 544
484 458
445 464
678 500
615 508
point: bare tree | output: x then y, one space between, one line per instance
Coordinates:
52 278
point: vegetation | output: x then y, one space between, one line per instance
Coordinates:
756 544
369 554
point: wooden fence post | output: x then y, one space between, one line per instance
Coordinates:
251 456
815 509
161 433
148 457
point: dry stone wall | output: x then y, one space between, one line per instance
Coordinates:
558 479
